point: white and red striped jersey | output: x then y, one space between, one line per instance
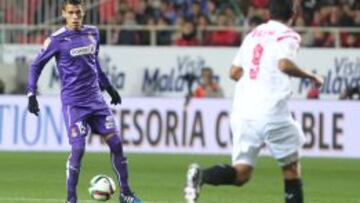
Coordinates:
263 91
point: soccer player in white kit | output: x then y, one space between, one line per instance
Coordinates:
262 68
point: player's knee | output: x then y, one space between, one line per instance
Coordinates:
115 144
291 171
243 175
242 180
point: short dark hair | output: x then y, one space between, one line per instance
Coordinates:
255 20
206 68
72 2
281 9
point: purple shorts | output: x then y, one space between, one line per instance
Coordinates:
81 121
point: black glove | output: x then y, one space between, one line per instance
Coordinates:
33 105
115 97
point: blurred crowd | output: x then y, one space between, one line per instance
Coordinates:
190 22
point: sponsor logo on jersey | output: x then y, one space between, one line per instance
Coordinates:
79 51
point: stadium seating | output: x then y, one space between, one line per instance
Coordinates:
214 21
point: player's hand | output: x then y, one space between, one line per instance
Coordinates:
318 81
33 105
115 96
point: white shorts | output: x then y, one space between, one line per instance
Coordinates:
283 139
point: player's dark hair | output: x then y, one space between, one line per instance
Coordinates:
72 2
255 20
281 9
207 69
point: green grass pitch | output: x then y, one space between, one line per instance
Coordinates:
40 178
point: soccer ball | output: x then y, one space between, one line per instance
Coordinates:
101 188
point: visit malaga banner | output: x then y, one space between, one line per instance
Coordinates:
159 71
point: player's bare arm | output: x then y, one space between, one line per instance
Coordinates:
236 72
290 68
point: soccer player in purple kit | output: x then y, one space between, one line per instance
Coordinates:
75 48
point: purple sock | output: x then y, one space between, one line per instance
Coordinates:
119 163
72 173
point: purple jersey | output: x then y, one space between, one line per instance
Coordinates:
76 54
